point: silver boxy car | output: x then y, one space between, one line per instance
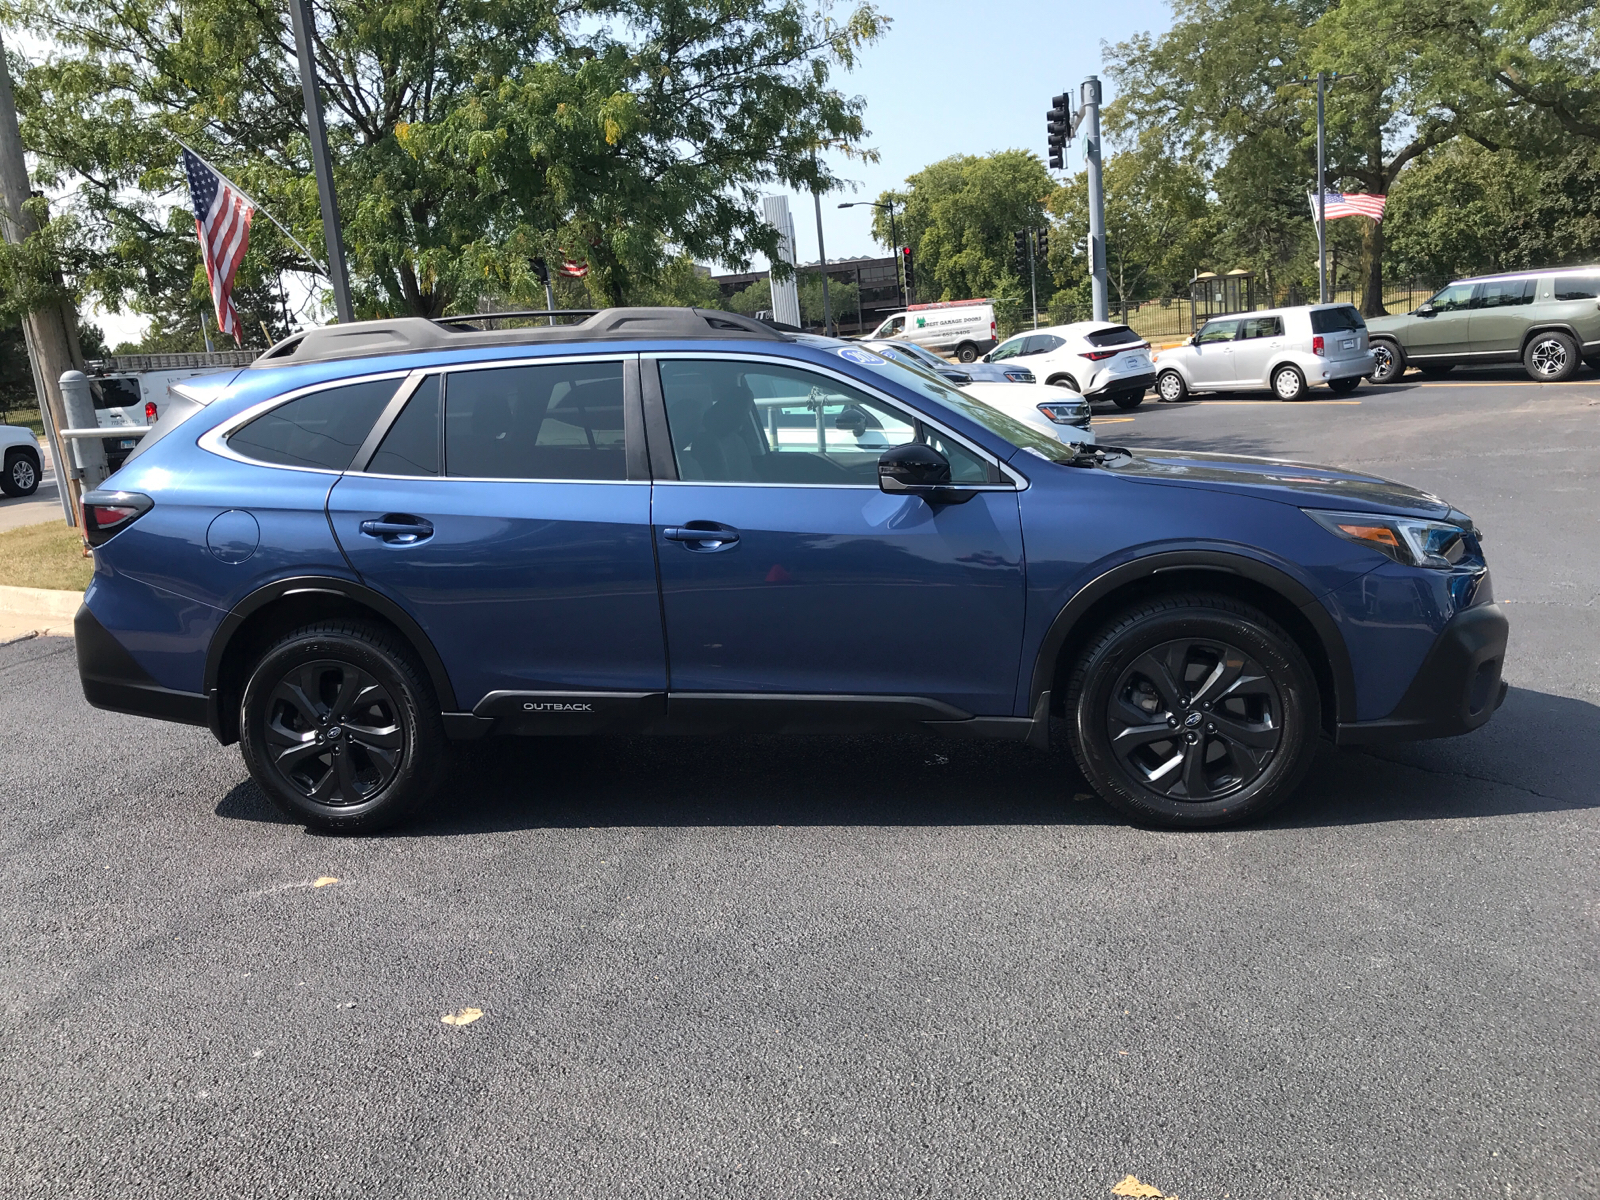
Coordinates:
1287 351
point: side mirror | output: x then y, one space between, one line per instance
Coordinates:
1424 310
917 470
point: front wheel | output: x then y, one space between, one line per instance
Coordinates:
1343 387
340 729
1551 357
1388 362
967 352
21 476
1171 387
1289 384
1191 711
1127 400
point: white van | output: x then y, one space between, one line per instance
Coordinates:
131 389
964 328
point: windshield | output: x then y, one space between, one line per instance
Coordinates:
925 382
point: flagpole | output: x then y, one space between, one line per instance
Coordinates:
255 204
1322 193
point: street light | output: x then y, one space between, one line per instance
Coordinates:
893 234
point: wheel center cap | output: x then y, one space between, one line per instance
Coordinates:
1193 719
335 731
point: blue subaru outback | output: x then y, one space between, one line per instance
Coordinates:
384 537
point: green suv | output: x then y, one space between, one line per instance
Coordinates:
1547 320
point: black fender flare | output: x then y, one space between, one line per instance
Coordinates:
330 584
1222 562
1550 327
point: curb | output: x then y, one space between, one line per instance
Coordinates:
42 612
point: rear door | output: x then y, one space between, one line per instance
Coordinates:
1575 301
1343 333
507 508
1259 341
1500 316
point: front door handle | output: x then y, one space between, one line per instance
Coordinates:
399 529
702 535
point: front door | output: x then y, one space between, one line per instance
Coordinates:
1212 364
786 572
498 510
1443 333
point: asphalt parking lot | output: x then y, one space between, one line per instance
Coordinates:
892 967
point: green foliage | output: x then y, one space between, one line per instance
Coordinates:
469 137
843 298
959 215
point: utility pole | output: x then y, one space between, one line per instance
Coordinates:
822 256
338 275
48 331
1322 192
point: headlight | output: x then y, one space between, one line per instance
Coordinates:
1066 412
1415 543
1020 376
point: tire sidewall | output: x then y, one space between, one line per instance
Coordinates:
967 352
420 724
1396 363
1300 392
13 487
1257 637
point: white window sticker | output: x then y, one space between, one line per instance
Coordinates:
864 357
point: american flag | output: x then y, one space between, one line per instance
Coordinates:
222 215
574 268
1350 204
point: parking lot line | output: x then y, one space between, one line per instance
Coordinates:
1273 402
1113 420
1519 383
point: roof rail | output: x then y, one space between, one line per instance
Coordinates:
410 335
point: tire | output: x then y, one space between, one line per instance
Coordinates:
304 691
21 474
1153 672
1288 384
967 352
1390 361
1064 381
1171 388
1436 370
1128 400
1343 387
1550 357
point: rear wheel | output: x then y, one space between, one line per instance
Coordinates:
967 352
1126 400
1193 710
1344 387
21 477
1063 381
1288 383
1171 387
1551 357
341 731
1388 361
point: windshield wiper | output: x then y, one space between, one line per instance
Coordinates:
1086 455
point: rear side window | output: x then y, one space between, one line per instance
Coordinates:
1336 320
115 393
324 429
1504 293
1260 327
411 447
551 421
1578 287
1114 336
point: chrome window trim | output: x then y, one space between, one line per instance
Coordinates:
494 479
1020 481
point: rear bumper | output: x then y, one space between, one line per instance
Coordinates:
1457 688
113 680
1345 368
1123 383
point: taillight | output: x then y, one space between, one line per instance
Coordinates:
149 412
106 514
992 334
1317 344
1099 355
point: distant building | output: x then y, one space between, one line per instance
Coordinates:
877 278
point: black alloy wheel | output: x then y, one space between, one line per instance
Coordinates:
21 474
1193 710
1343 387
1388 362
339 728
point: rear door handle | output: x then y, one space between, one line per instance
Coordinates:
702 535
399 530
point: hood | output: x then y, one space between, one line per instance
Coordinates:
1389 324
1299 484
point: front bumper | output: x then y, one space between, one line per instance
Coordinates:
1117 384
1457 688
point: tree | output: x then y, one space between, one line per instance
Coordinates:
959 215
468 136
843 298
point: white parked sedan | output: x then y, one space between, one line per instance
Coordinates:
1055 411
1096 359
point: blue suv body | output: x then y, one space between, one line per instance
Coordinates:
386 536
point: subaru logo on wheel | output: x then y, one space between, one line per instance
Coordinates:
1192 719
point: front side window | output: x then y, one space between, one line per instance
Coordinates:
1506 293
545 421
1455 298
1578 287
1261 327
1216 331
323 429
734 422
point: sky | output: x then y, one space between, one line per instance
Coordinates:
950 77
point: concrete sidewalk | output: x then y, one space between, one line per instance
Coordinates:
28 611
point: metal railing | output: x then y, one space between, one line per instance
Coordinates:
178 361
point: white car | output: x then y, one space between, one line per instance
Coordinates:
1055 411
1096 359
955 373
1286 351
23 465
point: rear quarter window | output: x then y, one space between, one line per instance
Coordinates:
1336 320
1578 287
322 430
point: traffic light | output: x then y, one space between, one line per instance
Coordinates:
1019 243
1043 244
1058 123
905 256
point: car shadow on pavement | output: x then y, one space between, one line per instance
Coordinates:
1525 761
